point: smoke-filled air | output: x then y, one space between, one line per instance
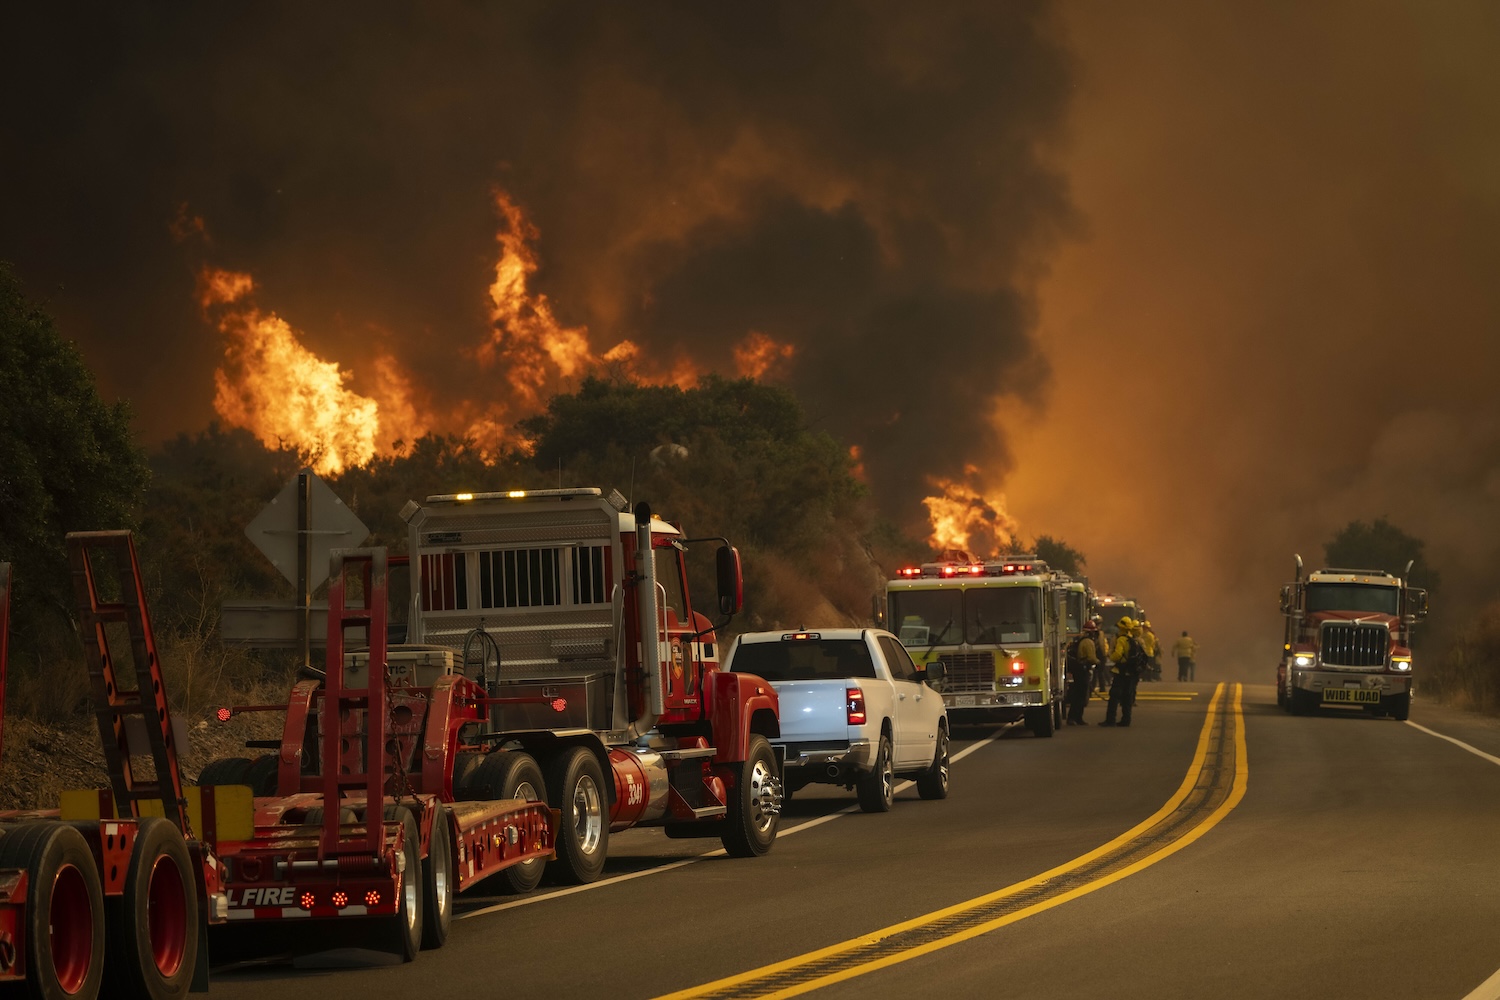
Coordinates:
1188 287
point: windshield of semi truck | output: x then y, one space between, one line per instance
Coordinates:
999 615
925 618
804 659
1353 597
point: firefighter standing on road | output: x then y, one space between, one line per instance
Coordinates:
1129 658
1185 649
1150 645
1083 660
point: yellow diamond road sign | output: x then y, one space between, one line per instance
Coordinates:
332 526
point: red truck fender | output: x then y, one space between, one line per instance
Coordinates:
739 705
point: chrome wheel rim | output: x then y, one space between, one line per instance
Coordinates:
588 815
765 795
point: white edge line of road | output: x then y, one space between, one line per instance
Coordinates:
671 866
1490 988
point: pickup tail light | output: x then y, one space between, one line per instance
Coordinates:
854 706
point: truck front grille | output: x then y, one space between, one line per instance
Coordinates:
1349 645
970 671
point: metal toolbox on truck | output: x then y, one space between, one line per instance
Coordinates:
576 702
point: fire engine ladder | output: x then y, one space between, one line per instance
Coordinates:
114 708
345 768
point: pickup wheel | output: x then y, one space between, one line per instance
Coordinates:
933 783
755 803
575 787
877 790
510 774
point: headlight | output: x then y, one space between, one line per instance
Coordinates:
1302 660
1401 663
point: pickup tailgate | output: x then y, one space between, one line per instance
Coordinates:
813 710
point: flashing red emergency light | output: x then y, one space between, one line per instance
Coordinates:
855 706
1017 667
372 898
306 900
340 899
910 571
224 714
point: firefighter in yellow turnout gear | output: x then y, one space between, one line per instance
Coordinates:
1130 659
1084 656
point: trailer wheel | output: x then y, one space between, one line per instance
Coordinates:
226 771
402 932
512 774
438 877
933 783
64 917
575 786
153 927
877 790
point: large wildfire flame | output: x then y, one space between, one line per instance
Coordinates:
964 518
273 386
287 396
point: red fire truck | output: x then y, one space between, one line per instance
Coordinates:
1347 641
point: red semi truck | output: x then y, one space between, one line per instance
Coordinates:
1347 641
605 693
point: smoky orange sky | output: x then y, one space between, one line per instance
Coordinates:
1191 285
1284 313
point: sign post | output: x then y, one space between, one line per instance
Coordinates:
297 531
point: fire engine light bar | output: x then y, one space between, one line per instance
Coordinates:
564 494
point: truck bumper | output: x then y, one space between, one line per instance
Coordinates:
1342 687
835 765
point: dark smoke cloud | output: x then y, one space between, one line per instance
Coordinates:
1285 314
869 182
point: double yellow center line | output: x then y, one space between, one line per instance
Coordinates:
1214 785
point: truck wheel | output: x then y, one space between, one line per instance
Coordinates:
153 928
575 787
933 783
1057 713
1298 702
401 933
261 775
1280 690
1039 721
877 790
226 771
438 876
465 763
1400 706
64 916
511 774
755 803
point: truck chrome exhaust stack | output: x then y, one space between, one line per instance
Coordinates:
645 577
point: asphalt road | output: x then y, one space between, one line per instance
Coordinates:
1204 852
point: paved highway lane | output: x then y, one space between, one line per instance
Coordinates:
1351 828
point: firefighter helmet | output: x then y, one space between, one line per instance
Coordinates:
1125 624
1093 626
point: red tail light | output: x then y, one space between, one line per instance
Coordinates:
224 714
1017 667
855 706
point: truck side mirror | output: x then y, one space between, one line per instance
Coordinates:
935 673
1416 604
1286 598
731 580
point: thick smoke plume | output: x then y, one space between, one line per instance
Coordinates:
852 198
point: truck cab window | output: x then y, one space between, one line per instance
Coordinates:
669 575
899 660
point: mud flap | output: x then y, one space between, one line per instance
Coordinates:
200 969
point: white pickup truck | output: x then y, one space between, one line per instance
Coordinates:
855 711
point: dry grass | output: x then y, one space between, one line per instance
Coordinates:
1467 674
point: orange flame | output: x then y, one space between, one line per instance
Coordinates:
964 518
284 394
759 353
